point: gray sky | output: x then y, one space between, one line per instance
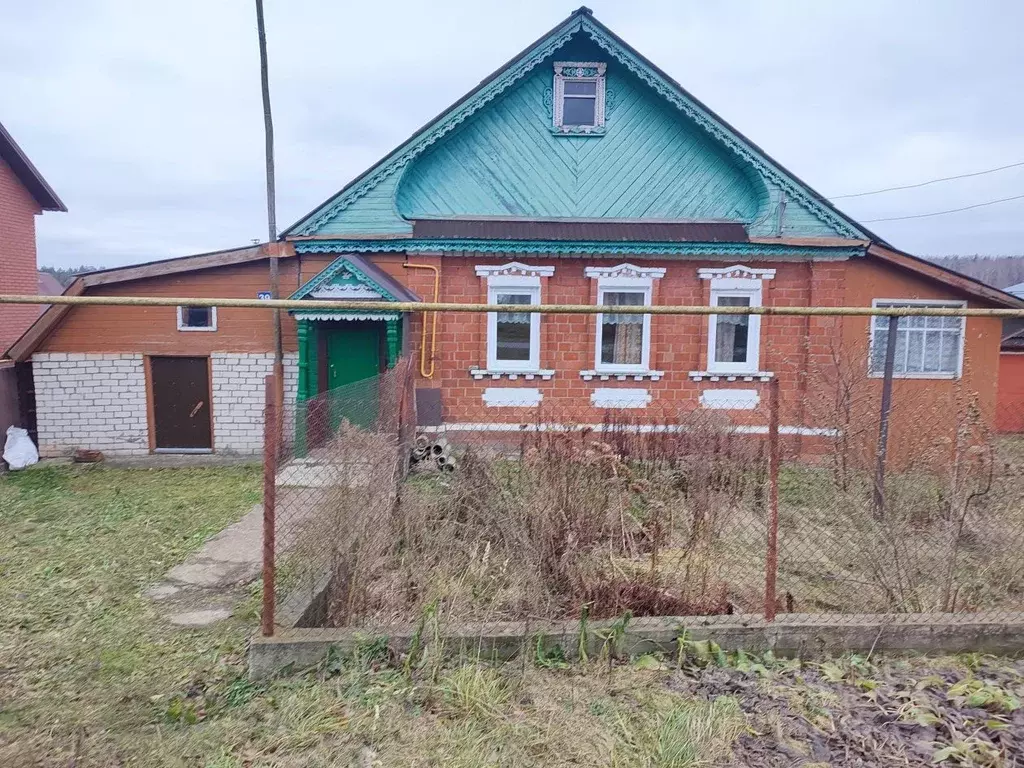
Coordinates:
145 116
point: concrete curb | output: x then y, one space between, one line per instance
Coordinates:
801 635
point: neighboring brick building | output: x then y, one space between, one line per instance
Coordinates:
577 174
24 194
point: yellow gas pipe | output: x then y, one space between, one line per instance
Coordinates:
433 322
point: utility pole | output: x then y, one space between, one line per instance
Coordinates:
268 126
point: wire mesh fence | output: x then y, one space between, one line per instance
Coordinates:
552 512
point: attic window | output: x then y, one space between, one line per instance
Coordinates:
579 98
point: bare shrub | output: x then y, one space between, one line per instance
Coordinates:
615 519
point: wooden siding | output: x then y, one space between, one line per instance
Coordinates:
651 163
153 330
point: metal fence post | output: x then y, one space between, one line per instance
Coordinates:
271 441
771 570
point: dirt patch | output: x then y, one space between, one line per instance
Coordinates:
853 713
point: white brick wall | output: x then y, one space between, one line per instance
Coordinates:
239 396
90 401
99 401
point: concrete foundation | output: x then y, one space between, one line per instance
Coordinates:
793 635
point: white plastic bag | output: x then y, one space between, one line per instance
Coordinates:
19 451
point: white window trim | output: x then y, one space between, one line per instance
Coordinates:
952 304
559 95
725 287
513 284
206 329
644 285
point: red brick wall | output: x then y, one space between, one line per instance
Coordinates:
805 353
678 344
1010 409
17 255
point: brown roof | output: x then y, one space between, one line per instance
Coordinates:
580 229
49 285
963 283
27 174
47 321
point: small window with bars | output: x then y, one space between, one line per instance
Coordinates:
926 347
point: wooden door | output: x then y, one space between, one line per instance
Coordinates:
180 388
350 361
353 350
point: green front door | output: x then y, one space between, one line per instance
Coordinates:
352 362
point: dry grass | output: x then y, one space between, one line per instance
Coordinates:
90 676
674 523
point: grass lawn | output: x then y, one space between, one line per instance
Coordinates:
90 676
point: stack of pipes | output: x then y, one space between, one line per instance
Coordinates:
436 452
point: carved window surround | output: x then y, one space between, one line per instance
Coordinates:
513 269
580 72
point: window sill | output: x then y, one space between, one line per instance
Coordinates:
733 376
580 131
621 375
918 375
496 373
197 329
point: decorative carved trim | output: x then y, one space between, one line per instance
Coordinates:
712 376
513 268
667 89
575 248
340 264
605 376
735 271
328 315
625 270
738 146
443 127
350 291
485 373
592 71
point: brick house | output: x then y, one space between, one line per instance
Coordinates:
24 194
578 173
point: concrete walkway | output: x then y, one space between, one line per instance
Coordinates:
209 584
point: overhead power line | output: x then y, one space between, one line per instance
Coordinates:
941 213
930 181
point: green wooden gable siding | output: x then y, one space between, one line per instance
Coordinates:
651 162
372 214
663 156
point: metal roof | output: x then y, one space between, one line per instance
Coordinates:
27 174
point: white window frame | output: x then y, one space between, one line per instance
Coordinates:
564 72
729 287
203 329
639 285
513 284
940 303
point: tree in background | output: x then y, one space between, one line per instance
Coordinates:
997 271
67 274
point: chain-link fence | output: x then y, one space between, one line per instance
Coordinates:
810 492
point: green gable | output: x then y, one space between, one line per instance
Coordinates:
662 155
